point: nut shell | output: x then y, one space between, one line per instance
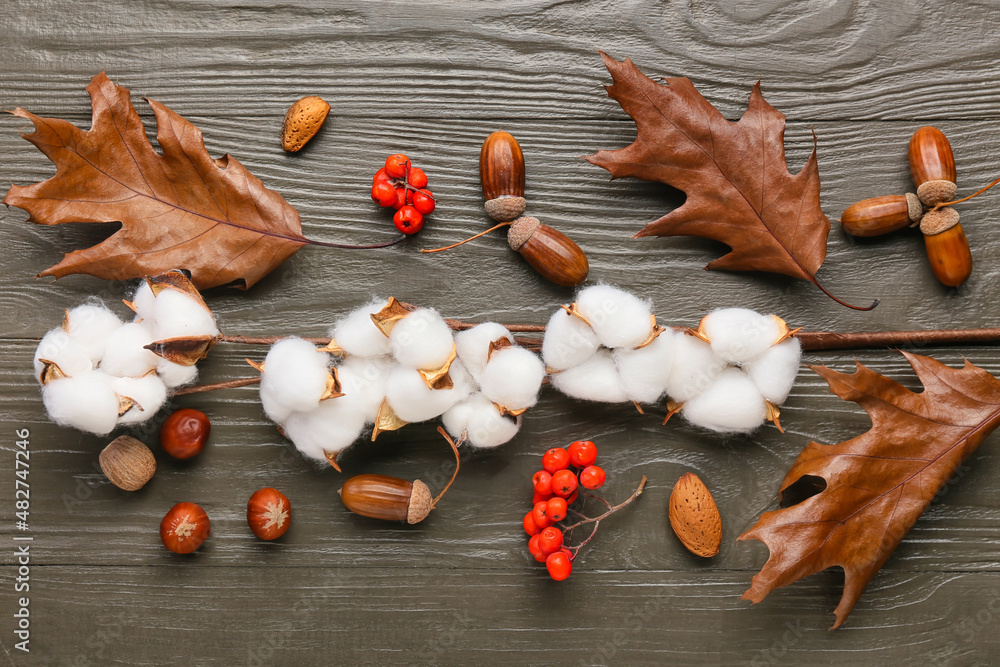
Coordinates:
949 255
878 215
378 496
931 158
694 516
501 168
550 252
127 463
302 122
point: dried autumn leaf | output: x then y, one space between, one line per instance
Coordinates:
850 504
739 190
181 209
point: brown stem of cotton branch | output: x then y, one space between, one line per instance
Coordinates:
232 384
813 341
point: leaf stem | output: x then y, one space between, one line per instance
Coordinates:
347 246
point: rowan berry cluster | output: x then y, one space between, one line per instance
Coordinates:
557 488
403 187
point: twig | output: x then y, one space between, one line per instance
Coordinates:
232 384
831 340
613 509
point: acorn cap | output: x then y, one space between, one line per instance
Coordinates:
520 231
935 192
505 207
421 503
913 207
940 220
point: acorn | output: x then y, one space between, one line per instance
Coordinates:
932 165
501 171
946 245
553 254
388 498
881 215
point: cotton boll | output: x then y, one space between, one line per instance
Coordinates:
486 426
143 301
594 380
411 399
421 340
175 375
90 325
732 404
330 427
740 335
86 402
774 373
619 318
57 346
568 341
695 367
148 393
124 355
513 377
294 378
645 372
363 381
357 333
177 314
456 418
473 345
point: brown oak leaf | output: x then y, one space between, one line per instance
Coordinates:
850 504
739 190
181 209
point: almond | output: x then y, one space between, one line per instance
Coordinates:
695 517
302 122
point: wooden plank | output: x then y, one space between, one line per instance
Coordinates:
343 614
532 58
330 181
82 519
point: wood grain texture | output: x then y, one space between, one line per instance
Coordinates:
432 80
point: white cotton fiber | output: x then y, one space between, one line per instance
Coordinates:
568 341
143 301
774 373
644 372
594 380
175 375
513 377
362 381
695 367
357 334
330 427
619 318
740 335
177 315
294 378
481 422
86 402
421 340
57 346
411 399
90 325
487 427
473 345
148 393
732 404
124 355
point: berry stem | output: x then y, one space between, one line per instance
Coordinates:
613 508
471 238
959 201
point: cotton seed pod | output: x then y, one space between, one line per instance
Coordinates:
553 254
881 215
946 245
302 122
501 171
932 166
127 463
387 498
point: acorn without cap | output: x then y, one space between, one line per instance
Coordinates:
932 165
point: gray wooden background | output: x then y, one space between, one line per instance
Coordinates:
432 79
